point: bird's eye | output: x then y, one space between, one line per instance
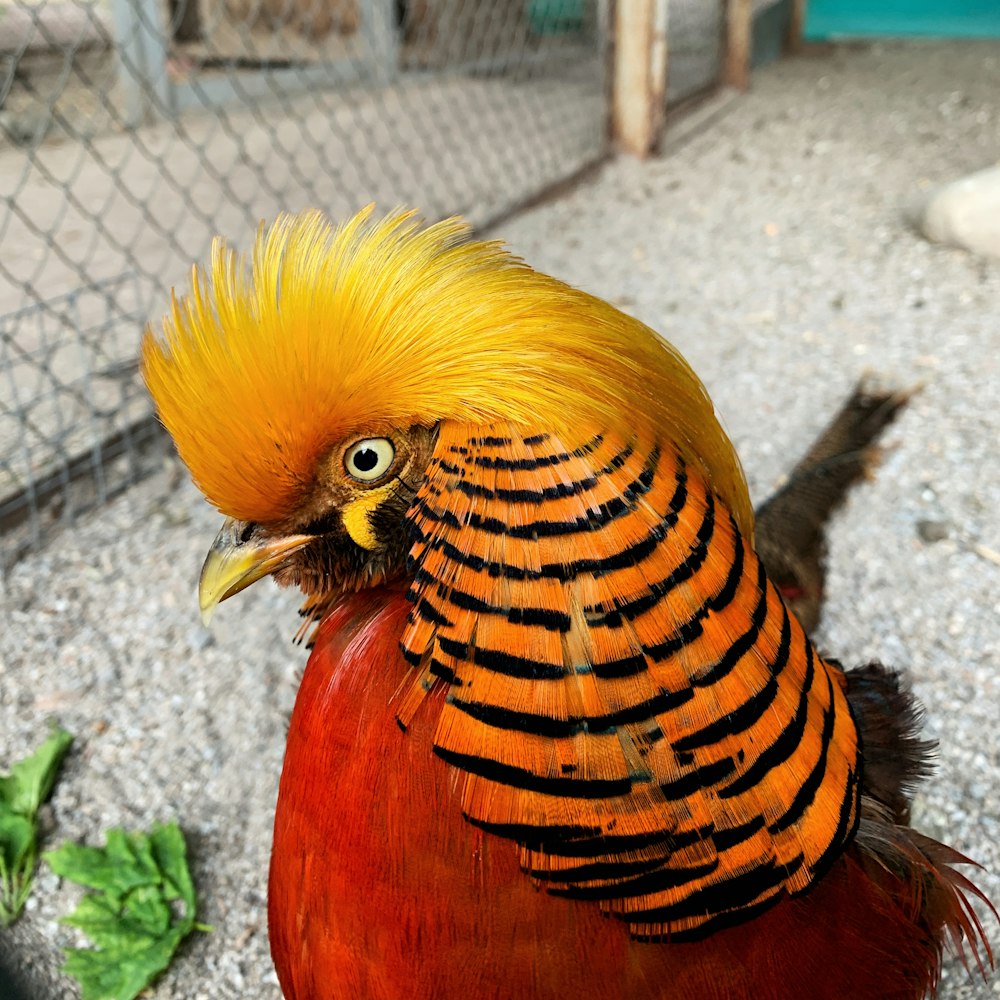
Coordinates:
369 459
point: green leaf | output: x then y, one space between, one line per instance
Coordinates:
17 841
113 927
129 916
21 793
120 975
170 852
17 864
123 864
30 780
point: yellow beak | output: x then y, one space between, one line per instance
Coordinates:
239 557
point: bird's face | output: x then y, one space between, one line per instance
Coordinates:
349 531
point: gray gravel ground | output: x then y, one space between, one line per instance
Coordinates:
773 249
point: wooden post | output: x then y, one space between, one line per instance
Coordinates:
640 74
739 41
796 25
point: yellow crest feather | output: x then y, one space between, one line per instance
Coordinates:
330 332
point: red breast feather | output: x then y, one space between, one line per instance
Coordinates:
379 889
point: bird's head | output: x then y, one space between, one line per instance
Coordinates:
306 388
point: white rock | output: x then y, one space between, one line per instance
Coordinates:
966 213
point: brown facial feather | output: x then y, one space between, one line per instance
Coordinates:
335 563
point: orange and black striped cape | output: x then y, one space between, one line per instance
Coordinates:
627 696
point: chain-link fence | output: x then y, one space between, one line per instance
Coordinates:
697 41
132 131
697 34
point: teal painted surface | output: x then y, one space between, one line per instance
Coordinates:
901 18
555 17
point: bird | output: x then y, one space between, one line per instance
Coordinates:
558 733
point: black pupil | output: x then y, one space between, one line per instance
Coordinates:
365 459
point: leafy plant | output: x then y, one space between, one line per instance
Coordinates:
22 791
142 907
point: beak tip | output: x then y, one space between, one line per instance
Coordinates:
234 562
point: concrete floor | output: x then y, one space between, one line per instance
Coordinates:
773 248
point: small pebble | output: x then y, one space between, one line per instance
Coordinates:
932 531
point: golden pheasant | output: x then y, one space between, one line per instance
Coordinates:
559 735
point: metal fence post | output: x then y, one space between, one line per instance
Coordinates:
141 40
378 18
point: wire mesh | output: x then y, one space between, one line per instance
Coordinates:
133 131
696 33
74 420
